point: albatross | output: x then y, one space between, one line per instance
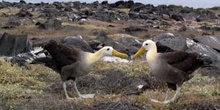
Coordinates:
173 68
71 62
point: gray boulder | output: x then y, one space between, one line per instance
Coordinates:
11 45
106 41
212 41
51 24
205 51
131 44
169 40
78 42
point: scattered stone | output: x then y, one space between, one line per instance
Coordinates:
177 17
78 42
212 41
24 13
51 24
11 45
169 40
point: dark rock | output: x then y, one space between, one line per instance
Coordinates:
134 15
50 12
212 41
132 29
162 48
101 36
78 42
208 52
11 45
165 16
199 19
108 15
137 7
73 16
77 4
22 1
104 3
165 23
214 28
129 4
106 41
186 10
5 4
187 28
95 44
131 43
123 4
118 3
177 17
41 42
51 24
169 40
144 16
97 32
24 13
205 27
38 23
205 15
15 21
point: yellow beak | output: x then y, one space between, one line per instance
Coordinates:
119 54
139 52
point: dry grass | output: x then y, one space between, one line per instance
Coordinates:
126 10
9 11
115 84
39 87
16 82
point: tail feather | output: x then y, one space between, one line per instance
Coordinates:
47 61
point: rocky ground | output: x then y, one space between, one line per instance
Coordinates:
119 24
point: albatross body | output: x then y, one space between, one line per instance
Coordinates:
174 68
71 62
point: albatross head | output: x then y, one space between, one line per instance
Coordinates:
146 46
105 51
109 51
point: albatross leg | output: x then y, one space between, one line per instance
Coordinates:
177 91
64 87
167 93
82 95
168 101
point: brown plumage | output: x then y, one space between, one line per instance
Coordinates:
71 62
174 68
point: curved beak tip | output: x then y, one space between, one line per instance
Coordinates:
119 54
138 53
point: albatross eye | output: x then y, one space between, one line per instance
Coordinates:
146 44
108 49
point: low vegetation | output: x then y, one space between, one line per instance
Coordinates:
38 87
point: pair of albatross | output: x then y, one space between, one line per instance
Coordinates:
173 68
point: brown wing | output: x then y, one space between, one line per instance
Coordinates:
62 54
184 61
71 53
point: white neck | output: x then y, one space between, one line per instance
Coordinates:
91 58
151 54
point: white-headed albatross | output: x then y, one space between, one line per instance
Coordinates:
174 68
71 62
